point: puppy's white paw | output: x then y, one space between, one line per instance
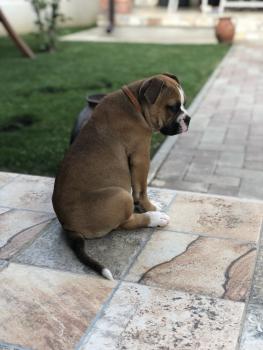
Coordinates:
157 218
157 205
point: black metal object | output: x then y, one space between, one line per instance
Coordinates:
85 115
111 13
163 3
184 3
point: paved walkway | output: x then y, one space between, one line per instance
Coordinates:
223 151
160 35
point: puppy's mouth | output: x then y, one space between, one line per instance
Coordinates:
178 126
183 125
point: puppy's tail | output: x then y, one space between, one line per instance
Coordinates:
77 243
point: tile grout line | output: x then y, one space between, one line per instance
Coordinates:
88 332
86 336
248 303
206 235
23 230
29 210
161 288
220 196
126 272
27 244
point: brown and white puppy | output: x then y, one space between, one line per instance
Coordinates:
104 173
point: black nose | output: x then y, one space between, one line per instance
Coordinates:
187 120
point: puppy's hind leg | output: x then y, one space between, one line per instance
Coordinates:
148 219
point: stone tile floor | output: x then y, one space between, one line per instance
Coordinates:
196 284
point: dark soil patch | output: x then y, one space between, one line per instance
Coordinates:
18 122
51 90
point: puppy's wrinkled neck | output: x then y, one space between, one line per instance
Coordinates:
141 112
135 88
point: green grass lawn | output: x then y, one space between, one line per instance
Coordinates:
49 92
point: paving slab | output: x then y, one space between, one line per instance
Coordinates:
13 222
47 309
182 185
211 179
251 188
141 317
216 217
224 189
28 192
21 240
201 265
146 35
5 178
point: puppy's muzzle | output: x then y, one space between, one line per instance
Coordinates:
177 126
184 122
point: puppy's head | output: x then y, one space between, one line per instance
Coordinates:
162 99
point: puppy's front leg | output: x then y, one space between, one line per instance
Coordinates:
139 167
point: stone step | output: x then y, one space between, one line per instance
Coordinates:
249 25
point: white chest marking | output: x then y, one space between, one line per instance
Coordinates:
182 101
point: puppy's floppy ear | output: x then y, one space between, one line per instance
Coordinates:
151 89
172 76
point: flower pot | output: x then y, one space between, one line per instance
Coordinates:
85 115
225 30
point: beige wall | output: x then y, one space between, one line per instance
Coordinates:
21 15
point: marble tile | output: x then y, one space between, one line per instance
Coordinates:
163 197
216 216
147 318
163 246
21 240
46 309
115 251
3 210
28 192
5 178
252 335
210 266
12 222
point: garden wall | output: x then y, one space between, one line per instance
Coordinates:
21 15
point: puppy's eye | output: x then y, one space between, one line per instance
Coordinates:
175 108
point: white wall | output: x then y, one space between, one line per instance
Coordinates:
21 16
